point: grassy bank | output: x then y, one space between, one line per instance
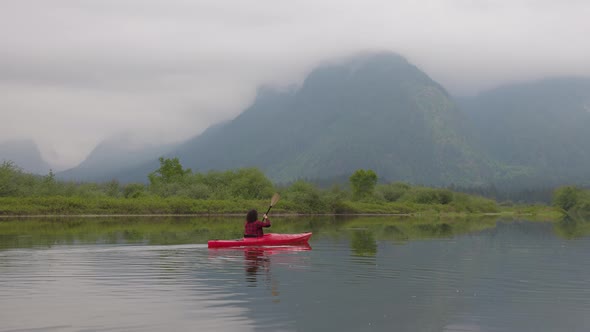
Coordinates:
176 191
60 205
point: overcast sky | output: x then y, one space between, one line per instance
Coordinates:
74 72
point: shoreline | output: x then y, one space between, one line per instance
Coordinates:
201 215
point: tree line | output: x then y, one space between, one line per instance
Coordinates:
172 182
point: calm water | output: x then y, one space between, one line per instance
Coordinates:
371 274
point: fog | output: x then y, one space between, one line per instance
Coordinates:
73 73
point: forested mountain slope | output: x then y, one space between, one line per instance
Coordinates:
542 125
375 111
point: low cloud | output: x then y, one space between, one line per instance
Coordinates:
73 73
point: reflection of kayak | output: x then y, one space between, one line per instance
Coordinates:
271 239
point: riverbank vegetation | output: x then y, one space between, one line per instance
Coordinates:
573 201
172 189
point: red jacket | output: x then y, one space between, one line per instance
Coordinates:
254 229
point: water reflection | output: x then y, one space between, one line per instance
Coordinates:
255 260
258 260
48 232
362 232
377 274
363 243
572 228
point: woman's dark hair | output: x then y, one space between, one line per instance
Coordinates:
252 216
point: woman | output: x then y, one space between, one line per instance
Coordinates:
253 226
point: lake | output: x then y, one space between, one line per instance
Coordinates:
360 274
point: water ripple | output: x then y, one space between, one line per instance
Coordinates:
501 280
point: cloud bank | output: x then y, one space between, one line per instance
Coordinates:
73 73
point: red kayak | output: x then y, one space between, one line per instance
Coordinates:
271 239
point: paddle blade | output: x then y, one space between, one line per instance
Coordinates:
275 198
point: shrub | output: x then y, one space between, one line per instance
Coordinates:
392 192
134 190
423 195
306 197
566 197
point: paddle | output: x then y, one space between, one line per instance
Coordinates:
275 198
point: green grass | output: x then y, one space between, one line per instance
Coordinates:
59 205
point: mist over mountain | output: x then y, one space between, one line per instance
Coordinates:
111 156
380 112
25 154
542 125
373 111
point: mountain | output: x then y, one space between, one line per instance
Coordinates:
373 111
380 112
25 154
111 157
542 125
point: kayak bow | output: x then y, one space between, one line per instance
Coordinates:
270 239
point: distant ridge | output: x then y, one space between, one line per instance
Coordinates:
25 154
543 125
378 111
111 157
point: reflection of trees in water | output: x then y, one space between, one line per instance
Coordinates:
364 232
395 233
572 228
363 243
188 230
407 229
436 230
